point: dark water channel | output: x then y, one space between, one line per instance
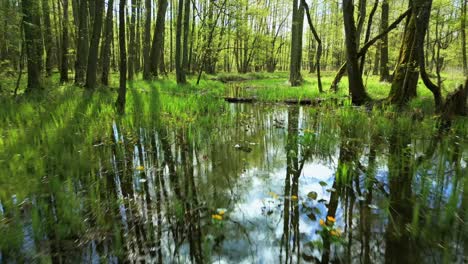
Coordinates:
269 184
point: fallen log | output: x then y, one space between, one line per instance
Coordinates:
312 102
239 100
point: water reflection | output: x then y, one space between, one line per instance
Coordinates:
262 184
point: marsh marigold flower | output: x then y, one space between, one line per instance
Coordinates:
322 223
331 219
217 217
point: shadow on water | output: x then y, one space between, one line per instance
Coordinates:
245 184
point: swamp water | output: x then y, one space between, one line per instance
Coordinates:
249 184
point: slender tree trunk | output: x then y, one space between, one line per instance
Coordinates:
157 47
171 38
375 70
384 71
147 41
82 42
362 9
58 23
120 104
356 86
33 41
422 24
463 36
106 46
319 42
368 32
185 49
48 38
137 65
91 73
295 77
64 63
131 46
180 72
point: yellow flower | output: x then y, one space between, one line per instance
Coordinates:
217 217
331 219
322 223
294 197
221 212
140 168
334 233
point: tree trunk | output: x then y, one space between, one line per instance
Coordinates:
180 72
455 105
295 77
120 104
131 46
147 41
91 72
48 38
356 86
422 24
405 79
368 32
83 42
58 23
375 70
319 44
106 46
463 36
157 47
384 72
137 66
185 49
33 41
64 63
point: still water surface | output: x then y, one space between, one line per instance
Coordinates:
267 184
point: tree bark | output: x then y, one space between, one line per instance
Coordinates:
64 63
319 47
82 42
180 72
91 72
363 50
384 71
463 36
158 38
147 41
376 68
356 86
120 104
185 49
405 78
106 46
48 38
33 41
131 46
295 77
368 33
422 24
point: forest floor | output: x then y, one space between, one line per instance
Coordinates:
262 87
